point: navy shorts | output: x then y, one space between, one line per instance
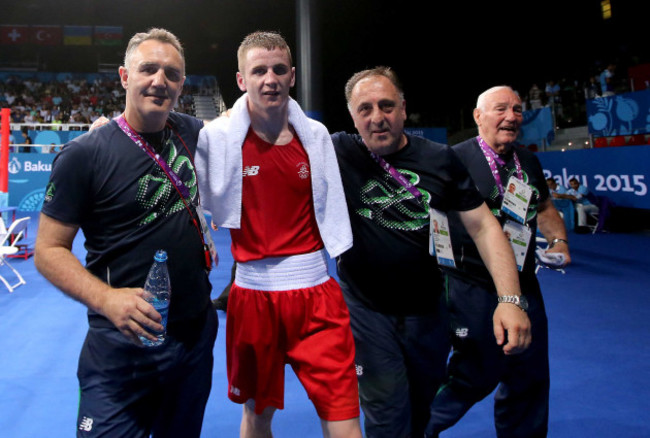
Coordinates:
131 391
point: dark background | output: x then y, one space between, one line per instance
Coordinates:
446 53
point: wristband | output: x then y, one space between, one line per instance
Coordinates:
554 241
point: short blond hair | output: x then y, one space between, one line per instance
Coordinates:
261 40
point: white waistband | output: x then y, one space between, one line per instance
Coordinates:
283 273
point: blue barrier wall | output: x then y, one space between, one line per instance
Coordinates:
622 173
46 137
28 176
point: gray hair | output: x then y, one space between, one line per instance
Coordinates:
157 34
386 72
480 102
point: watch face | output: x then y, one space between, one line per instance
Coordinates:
523 302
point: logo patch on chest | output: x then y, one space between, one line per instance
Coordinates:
303 170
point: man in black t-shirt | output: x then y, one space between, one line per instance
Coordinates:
128 204
478 363
391 284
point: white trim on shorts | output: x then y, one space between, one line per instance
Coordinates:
283 273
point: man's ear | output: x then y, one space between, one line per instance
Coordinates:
124 75
477 116
240 82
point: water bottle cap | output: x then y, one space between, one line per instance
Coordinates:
160 256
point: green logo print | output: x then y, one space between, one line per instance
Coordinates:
379 196
154 191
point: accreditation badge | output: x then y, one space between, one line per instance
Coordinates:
439 238
516 197
519 237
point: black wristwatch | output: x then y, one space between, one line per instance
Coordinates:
518 300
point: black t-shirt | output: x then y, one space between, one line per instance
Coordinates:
468 262
389 268
127 209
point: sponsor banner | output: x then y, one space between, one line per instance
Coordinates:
622 174
29 174
622 114
537 127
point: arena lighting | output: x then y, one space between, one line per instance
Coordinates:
606 8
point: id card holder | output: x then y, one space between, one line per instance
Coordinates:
439 238
207 237
519 237
516 198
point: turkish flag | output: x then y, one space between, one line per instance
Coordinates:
46 35
14 34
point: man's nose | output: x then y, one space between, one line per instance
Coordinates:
270 78
159 78
377 117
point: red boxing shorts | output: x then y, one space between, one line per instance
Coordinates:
308 328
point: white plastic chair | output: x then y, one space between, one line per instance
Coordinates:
8 246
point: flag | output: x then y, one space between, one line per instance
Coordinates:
77 35
108 35
46 35
14 34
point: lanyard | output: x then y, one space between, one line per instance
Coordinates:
176 181
493 158
408 185
148 149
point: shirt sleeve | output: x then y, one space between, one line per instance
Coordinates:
68 189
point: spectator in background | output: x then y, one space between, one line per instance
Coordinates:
592 88
535 97
583 206
553 98
563 202
607 80
27 140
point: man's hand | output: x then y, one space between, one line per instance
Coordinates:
101 121
511 319
561 248
131 314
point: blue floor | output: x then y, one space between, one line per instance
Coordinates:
599 319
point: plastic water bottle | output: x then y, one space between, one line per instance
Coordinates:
157 290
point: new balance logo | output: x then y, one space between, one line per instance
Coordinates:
462 332
251 170
86 424
235 391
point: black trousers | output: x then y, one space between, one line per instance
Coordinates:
477 365
131 391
